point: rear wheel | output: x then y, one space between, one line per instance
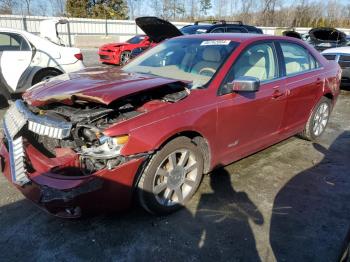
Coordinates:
171 177
318 120
45 74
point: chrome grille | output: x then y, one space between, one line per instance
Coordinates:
14 120
40 129
18 115
17 159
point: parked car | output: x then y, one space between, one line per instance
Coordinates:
323 38
119 53
27 59
342 56
219 26
158 29
93 140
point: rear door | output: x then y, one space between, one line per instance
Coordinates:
15 58
248 122
304 81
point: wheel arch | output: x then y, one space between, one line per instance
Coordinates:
199 140
38 72
329 95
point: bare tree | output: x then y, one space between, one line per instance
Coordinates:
27 4
7 6
58 7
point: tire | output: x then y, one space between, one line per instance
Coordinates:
44 75
124 57
163 189
318 120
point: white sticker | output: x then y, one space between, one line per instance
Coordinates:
201 30
216 42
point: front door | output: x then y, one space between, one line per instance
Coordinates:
248 122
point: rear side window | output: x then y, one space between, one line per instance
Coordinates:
297 58
12 42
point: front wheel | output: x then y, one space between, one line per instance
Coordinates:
124 57
318 120
172 177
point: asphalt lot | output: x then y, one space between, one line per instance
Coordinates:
289 202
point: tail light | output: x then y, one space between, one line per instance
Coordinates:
79 56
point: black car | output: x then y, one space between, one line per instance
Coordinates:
219 26
158 29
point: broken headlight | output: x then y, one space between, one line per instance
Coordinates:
109 147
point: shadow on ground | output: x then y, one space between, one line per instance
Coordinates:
309 220
310 213
218 229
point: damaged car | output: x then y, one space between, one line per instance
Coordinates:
27 59
323 38
95 140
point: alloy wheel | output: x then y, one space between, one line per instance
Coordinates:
321 118
124 57
176 178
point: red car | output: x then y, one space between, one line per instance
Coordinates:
95 139
119 53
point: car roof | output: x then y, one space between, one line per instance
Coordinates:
239 37
344 49
7 29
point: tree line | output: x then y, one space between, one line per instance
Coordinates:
286 13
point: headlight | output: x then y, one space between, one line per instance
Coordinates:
109 147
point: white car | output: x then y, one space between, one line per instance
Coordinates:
342 56
27 59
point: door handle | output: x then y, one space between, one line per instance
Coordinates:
277 93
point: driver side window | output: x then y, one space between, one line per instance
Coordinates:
257 61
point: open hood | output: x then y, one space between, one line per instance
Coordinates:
325 34
157 29
98 85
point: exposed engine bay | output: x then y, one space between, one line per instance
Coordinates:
90 119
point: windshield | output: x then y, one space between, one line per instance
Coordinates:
136 39
189 60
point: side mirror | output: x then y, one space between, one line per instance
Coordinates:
244 84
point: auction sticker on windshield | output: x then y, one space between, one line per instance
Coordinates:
216 42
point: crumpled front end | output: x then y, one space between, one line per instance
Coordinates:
54 164
109 54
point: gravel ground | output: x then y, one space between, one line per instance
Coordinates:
289 202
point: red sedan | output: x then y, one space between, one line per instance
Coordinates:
119 53
95 139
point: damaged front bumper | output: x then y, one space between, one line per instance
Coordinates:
56 184
109 57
